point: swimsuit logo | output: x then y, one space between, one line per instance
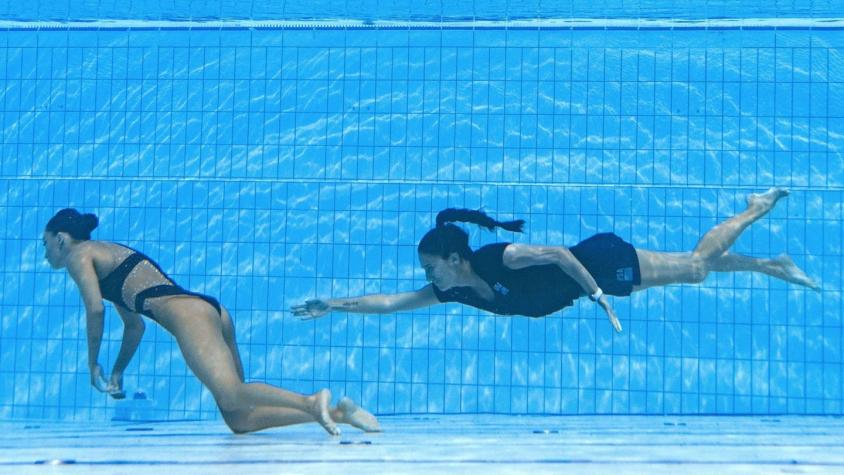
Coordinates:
625 274
501 289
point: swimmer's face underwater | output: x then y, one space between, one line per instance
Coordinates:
54 248
444 272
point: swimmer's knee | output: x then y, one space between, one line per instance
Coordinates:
236 421
698 270
229 399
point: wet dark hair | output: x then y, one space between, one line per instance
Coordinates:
447 238
70 221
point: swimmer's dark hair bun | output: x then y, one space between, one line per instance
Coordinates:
70 221
89 221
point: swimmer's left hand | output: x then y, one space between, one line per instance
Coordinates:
610 313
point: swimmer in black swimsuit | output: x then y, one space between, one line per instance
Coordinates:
202 327
521 279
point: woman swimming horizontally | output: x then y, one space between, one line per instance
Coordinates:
521 279
136 286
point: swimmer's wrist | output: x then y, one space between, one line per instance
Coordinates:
343 304
597 295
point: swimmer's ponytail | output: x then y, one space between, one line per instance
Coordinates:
480 218
447 238
70 221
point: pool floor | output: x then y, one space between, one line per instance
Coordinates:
437 444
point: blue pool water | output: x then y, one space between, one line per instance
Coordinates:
269 163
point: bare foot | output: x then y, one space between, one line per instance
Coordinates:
320 411
766 201
787 270
357 416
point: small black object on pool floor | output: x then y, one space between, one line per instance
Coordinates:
55 462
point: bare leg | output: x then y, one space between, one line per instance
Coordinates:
229 337
663 268
721 237
199 332
263 417
782 268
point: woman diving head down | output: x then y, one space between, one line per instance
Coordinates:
137 286
532 280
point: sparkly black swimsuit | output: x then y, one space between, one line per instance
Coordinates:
112 285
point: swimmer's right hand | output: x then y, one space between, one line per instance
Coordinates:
98 380
311 309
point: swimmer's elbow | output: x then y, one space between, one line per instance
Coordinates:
388 303
566 260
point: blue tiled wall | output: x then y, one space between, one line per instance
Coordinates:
267 167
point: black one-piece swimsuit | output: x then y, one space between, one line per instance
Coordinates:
537 291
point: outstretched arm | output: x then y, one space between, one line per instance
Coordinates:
378 303
133 331
81 270
518 256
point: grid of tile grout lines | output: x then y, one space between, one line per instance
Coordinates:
269 166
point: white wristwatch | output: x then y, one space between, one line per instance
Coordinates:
598 294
